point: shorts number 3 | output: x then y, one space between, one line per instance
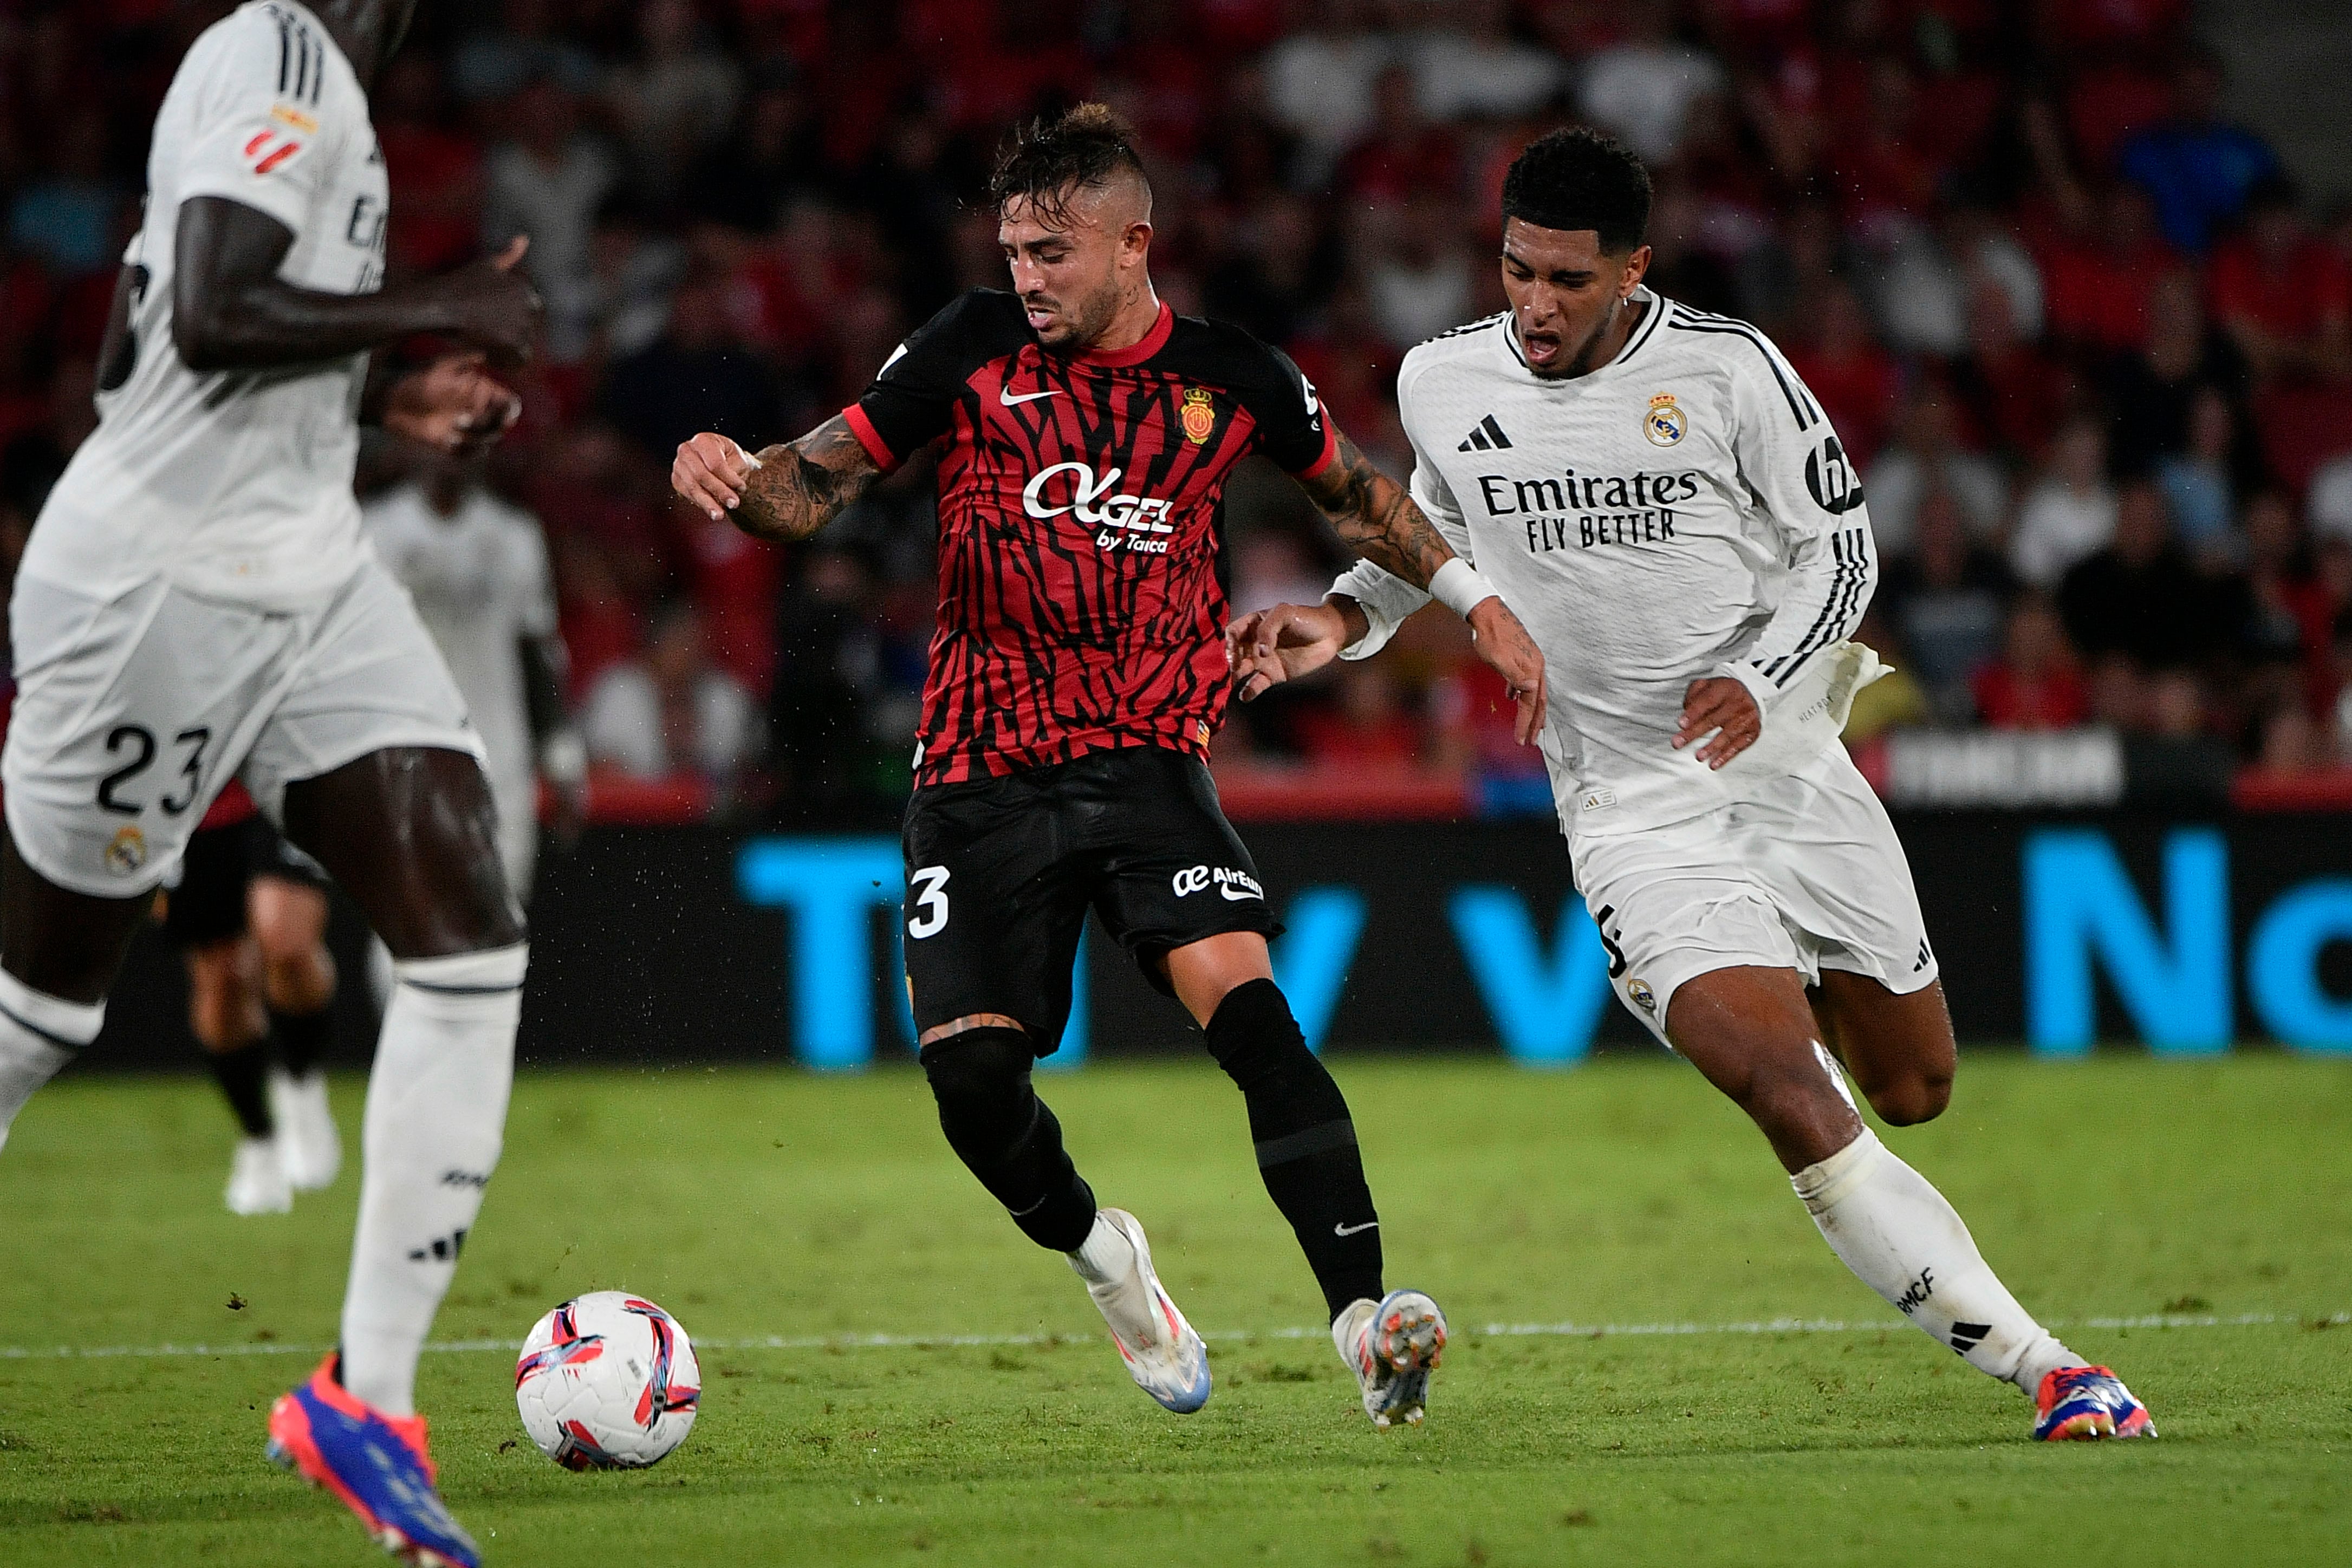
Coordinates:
930 903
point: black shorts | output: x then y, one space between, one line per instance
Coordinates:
1001 873
208 904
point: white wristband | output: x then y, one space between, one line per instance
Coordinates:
1459 588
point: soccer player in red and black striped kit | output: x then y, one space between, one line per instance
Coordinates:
1077 677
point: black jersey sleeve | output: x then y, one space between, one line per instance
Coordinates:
912 400
1293 429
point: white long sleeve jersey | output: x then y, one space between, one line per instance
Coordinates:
1683 511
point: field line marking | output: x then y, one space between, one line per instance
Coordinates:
1245 1336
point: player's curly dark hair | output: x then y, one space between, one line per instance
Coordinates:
1045 163
1578 178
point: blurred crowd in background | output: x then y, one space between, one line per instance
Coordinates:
2090 345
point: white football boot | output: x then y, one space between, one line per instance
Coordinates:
1392 1346
307 1139
1163 1354
257 1179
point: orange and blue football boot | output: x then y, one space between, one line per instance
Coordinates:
2080 1402
378 1464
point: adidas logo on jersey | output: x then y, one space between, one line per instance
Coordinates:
1486 437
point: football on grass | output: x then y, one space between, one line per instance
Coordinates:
607 1382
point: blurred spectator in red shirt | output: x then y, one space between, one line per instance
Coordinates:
2099 282
1851 376
1367 727
2035 683
2016 393
1406 155
601 626
1883 169
435 171
735 580
2283 294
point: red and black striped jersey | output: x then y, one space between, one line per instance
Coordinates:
1080 502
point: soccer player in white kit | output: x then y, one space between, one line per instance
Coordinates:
1654 491
197 603
476 571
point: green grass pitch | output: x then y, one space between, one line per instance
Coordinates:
768 1204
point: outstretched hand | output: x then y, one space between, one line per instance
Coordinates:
453 406
1282 643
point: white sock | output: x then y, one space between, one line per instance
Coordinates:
39 1035
1902 1239
437 1112
1105 1255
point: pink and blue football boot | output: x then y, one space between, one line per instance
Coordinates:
379 1464
2083 1403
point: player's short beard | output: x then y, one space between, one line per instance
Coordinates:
1581 362
1088 319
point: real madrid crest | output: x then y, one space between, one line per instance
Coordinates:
128 852
1643 997
1199 415
1663 424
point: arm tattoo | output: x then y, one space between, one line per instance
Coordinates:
1377 518
803 485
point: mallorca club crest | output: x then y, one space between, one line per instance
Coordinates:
1199 415
128 852
1663 424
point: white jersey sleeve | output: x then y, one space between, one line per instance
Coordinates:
261 133
1798 472
1388 599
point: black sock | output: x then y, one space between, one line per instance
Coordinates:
241 1074
1306 1144
999 1128
302 1038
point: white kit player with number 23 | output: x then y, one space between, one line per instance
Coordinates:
197 603
1656 491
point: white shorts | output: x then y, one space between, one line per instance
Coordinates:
133 711
1807 875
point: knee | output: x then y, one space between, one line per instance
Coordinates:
980 1079
1788 1101
1914 1097
223 1002
1255 1038
300 980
